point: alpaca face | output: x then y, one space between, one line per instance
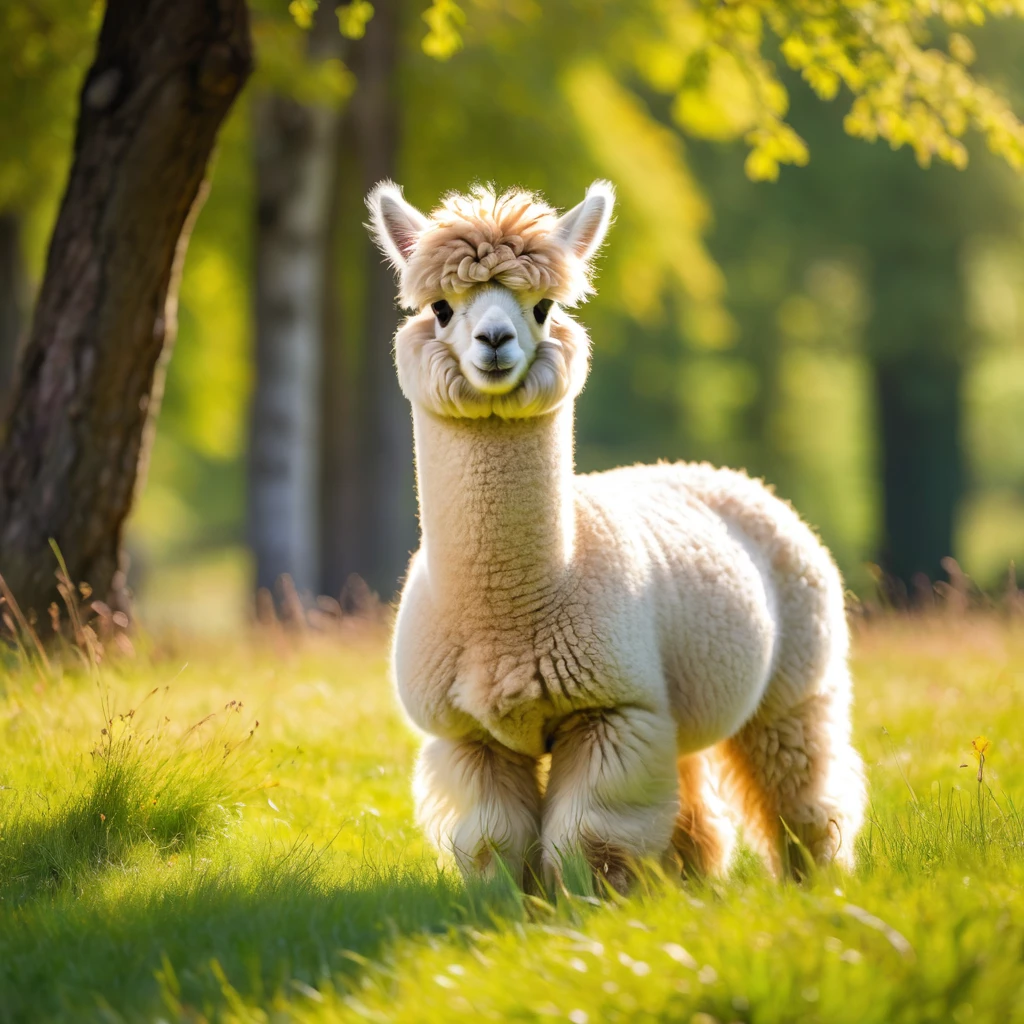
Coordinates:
494 333
486 272
450 372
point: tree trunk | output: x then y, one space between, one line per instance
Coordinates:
341 486
375 542
165 74
922 475
12 300
294 154
917 336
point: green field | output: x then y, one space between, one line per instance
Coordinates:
187 864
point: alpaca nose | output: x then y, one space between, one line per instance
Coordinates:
495 335
494 328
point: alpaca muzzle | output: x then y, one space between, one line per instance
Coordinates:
496 349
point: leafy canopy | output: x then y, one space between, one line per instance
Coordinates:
714 56
905 90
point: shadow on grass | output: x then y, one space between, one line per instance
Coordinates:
270 931
131 802
140 790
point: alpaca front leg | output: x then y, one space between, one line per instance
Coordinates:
476 800
612 794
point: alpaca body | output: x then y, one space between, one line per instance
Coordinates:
673 636
647 596
685 593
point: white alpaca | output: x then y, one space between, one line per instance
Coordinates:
665 633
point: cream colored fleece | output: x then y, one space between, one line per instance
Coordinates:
671 635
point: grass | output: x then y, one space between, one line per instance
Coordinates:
163 858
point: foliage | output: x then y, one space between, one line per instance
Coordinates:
715 58
444 19
286 63
352 18
904 91
321 902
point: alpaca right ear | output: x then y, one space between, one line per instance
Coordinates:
583 228
395 224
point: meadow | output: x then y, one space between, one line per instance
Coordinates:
222 830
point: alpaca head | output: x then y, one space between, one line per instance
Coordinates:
489 275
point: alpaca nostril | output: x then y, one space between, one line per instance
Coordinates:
496 337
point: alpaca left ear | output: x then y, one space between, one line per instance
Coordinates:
395 224
583 228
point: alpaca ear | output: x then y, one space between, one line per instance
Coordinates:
583 228
395 224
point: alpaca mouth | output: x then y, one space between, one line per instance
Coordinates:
495 379
496 372
494 368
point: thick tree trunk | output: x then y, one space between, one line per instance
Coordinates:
12 300
294 180
375 542
165 74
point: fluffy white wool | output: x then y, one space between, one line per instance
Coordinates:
673 636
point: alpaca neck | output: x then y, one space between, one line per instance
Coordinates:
496 505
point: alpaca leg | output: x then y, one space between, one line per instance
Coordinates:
475 800
612 791
705 837
797 777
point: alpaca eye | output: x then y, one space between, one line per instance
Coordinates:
443 312
541 310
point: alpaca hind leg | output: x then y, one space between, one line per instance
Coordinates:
705 837
612 793
798 784
476 800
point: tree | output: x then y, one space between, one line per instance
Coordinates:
294 140
164 75
369 526
12 298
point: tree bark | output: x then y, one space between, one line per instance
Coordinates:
89 383
294 155
374 538
12 299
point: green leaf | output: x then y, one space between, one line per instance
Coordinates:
354 17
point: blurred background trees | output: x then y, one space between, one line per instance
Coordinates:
852 331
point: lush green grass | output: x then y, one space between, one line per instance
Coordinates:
180 866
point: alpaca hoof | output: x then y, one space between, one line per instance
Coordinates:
612 867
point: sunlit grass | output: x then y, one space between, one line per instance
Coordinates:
186 864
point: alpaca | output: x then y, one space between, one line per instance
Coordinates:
605 665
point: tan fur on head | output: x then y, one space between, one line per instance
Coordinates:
514 239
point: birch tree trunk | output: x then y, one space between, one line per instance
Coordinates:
165 74
294 177
369 526
12 300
